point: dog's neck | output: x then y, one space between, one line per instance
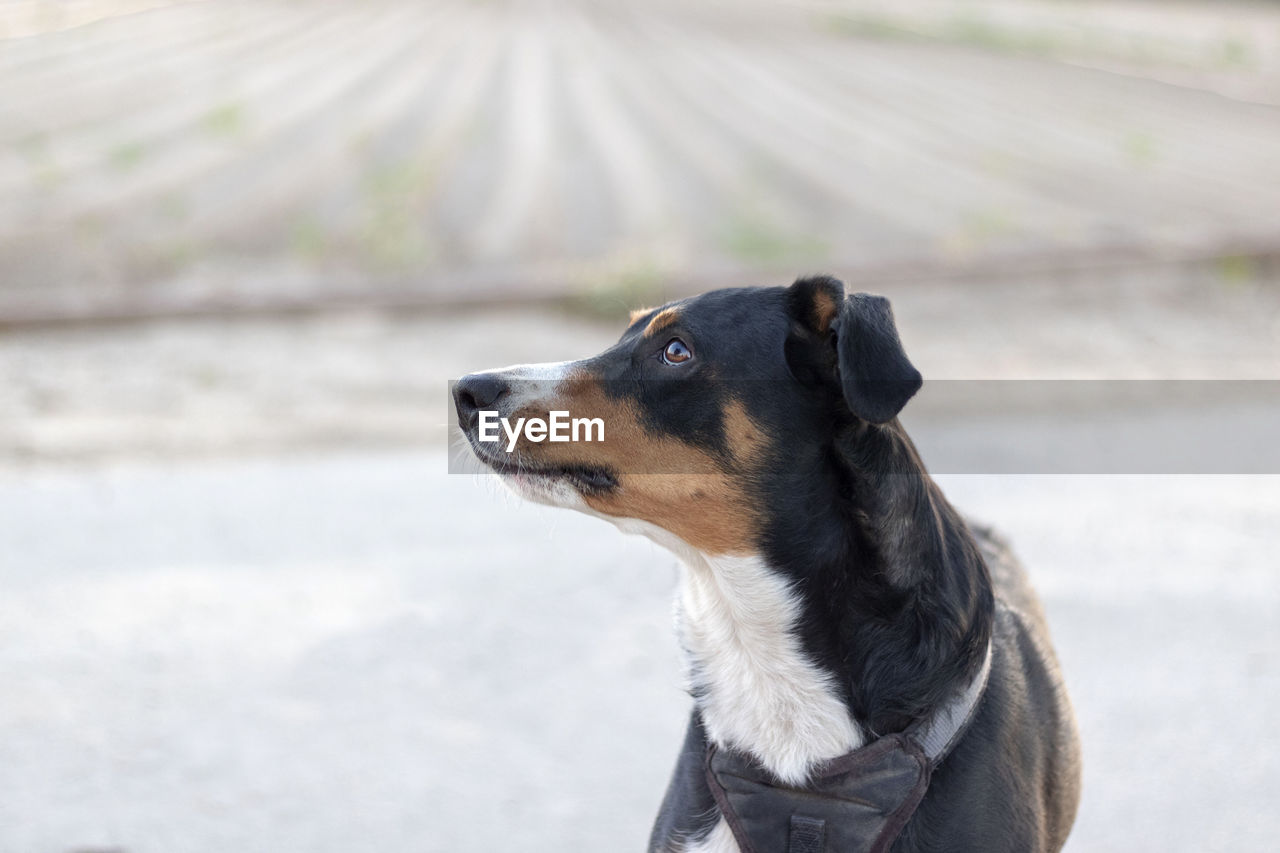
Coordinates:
800 660
917 614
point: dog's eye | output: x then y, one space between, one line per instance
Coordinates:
676 352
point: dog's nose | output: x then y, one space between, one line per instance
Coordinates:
477 391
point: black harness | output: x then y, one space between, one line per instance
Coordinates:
857 803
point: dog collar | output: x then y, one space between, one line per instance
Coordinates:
858 802
940 731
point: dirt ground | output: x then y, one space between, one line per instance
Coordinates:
204 154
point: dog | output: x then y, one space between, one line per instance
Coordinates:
869 670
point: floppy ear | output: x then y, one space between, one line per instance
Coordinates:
852 342
875 374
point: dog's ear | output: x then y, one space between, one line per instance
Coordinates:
875 373
812 305
815 302
855 341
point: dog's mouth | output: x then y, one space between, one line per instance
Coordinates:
587 479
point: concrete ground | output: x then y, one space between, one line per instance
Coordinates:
247 608
363 653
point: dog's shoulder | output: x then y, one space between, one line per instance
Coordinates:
1013 781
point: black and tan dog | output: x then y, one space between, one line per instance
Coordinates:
869 671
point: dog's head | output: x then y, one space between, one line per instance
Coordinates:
718 413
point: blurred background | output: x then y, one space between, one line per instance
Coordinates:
244 246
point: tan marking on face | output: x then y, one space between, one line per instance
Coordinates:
704 500
706 505
708 511
746 440
661 320
637 314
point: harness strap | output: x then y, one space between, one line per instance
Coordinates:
806 834
938 734
856 803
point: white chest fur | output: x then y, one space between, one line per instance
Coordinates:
759 691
